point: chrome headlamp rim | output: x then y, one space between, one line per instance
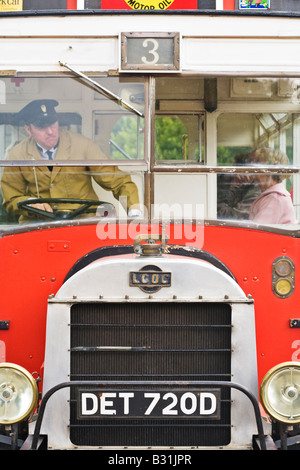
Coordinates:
266 402
30 381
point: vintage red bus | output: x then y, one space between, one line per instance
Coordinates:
149 267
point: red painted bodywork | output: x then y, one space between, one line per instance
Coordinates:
35 263
228 4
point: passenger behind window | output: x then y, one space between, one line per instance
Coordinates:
47 141
237 192
274 205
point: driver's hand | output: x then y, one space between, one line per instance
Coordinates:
44 207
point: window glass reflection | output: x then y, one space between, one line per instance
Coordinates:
80 109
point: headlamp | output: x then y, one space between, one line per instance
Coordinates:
280 392
18 393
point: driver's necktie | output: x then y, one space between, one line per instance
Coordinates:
50 156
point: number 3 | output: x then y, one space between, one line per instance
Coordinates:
152 51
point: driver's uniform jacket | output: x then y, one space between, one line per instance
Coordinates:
24 182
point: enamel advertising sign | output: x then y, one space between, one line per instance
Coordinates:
254 4
149 4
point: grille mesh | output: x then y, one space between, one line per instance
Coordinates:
180 341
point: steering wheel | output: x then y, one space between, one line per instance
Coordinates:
108 208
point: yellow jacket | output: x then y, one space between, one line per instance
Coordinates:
20 183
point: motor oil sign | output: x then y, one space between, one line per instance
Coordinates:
149 4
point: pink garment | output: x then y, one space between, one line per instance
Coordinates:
273 206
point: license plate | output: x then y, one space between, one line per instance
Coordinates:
103 403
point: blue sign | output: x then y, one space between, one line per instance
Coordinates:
244 4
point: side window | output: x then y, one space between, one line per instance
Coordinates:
178 138
179 142
179 121
241 132
121 137
119 130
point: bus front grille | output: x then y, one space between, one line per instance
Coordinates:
130 342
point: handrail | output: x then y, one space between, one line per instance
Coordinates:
60 386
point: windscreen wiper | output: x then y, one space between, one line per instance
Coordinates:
104 90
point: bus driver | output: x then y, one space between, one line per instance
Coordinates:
47 141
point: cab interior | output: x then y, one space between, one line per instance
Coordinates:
183 139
